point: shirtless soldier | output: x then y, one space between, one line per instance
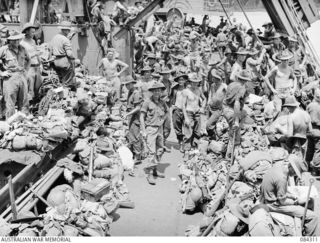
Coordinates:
110 66
177 113
193 104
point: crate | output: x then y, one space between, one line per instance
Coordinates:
95 189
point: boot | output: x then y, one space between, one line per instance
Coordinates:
151 179
137 160
158 173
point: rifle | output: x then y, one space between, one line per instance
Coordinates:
228 187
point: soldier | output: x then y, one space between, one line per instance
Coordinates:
275 195
153 114
313 152
217 93
62 50
238 65
112 69
34 75
177 112
232 108
194 103
16 63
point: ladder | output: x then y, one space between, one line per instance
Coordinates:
295 11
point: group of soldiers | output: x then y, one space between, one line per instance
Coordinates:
192 78
189 77
21 66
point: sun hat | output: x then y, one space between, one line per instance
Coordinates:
267 23
244 75
181 75
275 36
156 75
278 154
284 55
128 80
151 55
146 68
290 101
213 62
242 51
216 74
28 26
233 27
15 35
194 35
65 25
166 70
157 85
178 57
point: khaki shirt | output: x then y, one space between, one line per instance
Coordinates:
31 48
14 61
60 45
155 113
274 185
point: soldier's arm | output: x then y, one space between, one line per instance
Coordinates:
123 65
266 79
68 49
28 60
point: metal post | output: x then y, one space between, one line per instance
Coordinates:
34 11
225 11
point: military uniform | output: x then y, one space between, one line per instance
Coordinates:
15 87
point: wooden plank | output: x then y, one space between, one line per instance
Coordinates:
139 17
12 199
33 172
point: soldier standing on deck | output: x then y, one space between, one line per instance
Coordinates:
62 50
16 63
34 75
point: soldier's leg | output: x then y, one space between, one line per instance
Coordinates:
31 76
188 133
23 101
38 81
10 91
151 139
